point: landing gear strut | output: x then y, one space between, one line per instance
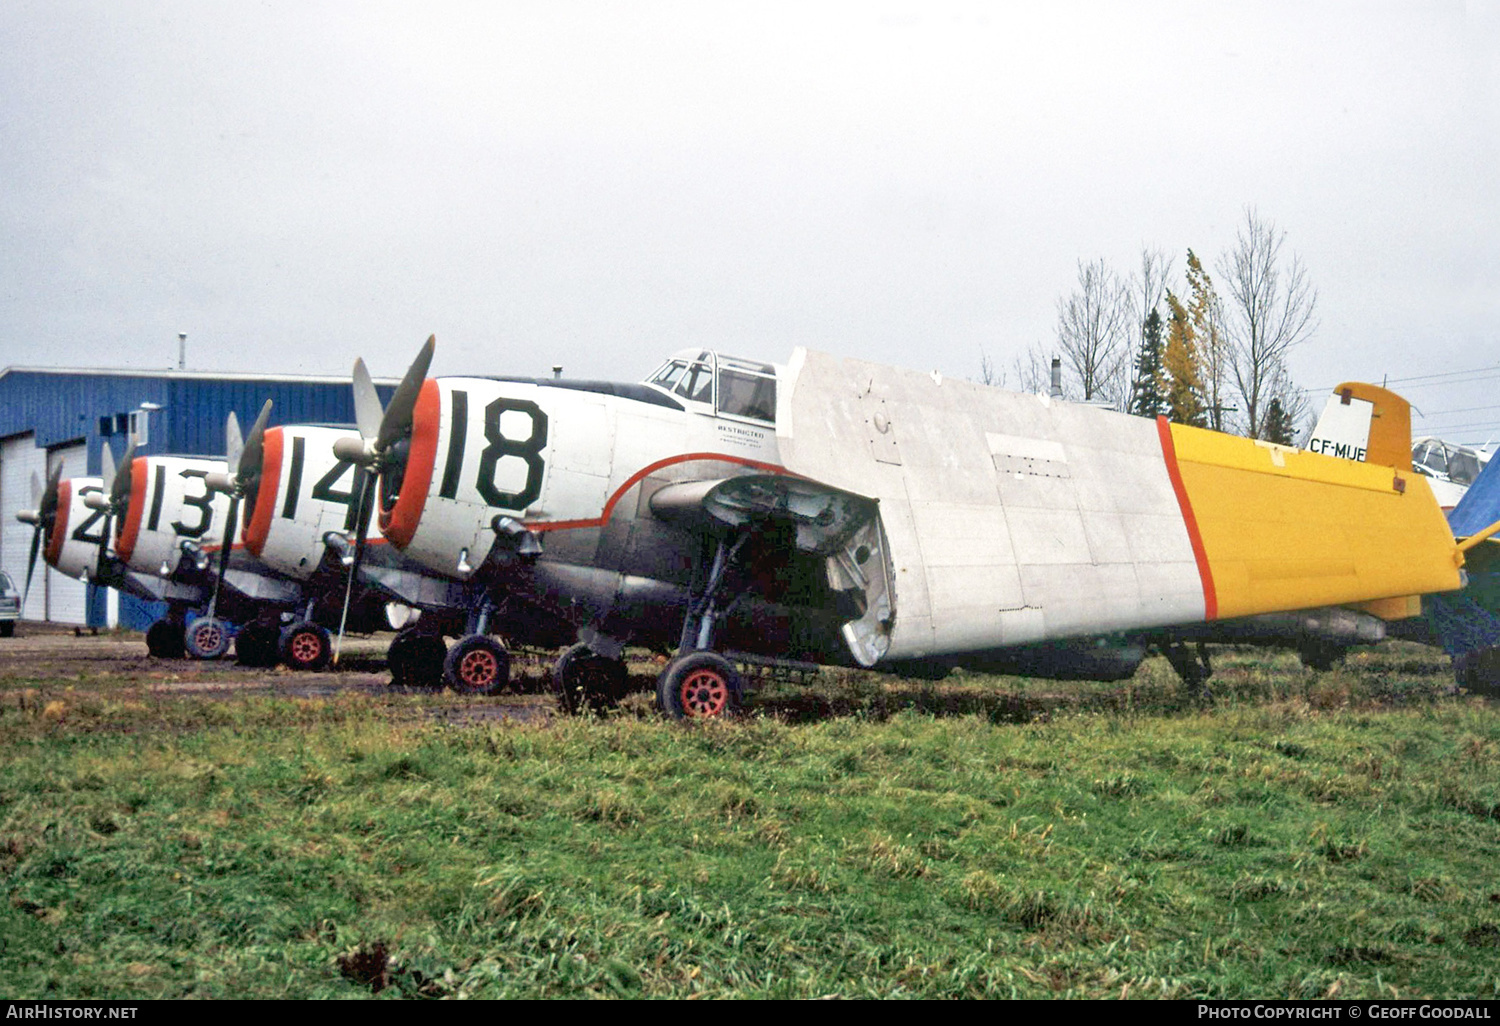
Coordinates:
1192 666
477 664
700 683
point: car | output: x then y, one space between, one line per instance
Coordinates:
10 605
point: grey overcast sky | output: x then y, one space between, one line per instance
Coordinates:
297 183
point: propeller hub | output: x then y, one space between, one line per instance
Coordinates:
355 450
29 516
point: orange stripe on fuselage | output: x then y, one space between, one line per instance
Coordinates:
1200 554
125 546
59 523
399 523
258 528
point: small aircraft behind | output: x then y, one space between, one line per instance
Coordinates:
1342 428
838 511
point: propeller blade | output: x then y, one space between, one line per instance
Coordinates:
36 490
102 563
253 454
398 415
367 411
36 546
47 508
119 486
361 528
234 443
224 550
106 464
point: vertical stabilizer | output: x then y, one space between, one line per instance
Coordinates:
1365 423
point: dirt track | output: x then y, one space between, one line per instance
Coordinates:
43 654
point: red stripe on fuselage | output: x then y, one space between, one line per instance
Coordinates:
125 546
1169 453
639 475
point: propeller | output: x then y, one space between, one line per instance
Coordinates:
114 501
244 458
375 451
41 520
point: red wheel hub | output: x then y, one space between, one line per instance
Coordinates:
704 693
306 647
479 668
208 636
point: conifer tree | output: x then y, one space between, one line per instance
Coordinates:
1184 374
1278 427
1148 391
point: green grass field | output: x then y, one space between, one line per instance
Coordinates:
1304 835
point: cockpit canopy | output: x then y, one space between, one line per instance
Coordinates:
1445 461
726 385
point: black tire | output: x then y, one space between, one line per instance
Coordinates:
581 677
257 645
1322 656
699 685
305 645
7 629
1479 671
207 637
477 665
164 639
416 658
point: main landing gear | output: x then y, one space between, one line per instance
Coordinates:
700 683
416 658
164 639
477 664
583 678
1192 666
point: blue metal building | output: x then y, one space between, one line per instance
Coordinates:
63 415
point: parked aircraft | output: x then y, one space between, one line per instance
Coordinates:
1450 469
838 511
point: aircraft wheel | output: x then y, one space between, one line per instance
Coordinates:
305 645
1322 656
256 645
8 629
699 685
415 659
581 677
164 639
1479 671
477 665
206 638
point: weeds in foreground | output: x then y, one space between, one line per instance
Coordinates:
1306 836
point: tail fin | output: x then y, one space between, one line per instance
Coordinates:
1367 424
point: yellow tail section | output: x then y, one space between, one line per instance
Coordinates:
1283 529
1390 423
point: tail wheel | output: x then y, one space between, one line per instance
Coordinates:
207 638
699 685
477 665
306 646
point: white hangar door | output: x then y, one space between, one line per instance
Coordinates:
19 459
67 599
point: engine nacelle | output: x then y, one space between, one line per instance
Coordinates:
77 529
170 505
306 495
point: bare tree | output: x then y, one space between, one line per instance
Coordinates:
1093 330
1147 288
989 374
1270 309
1033 371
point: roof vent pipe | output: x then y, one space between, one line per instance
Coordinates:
1056 392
